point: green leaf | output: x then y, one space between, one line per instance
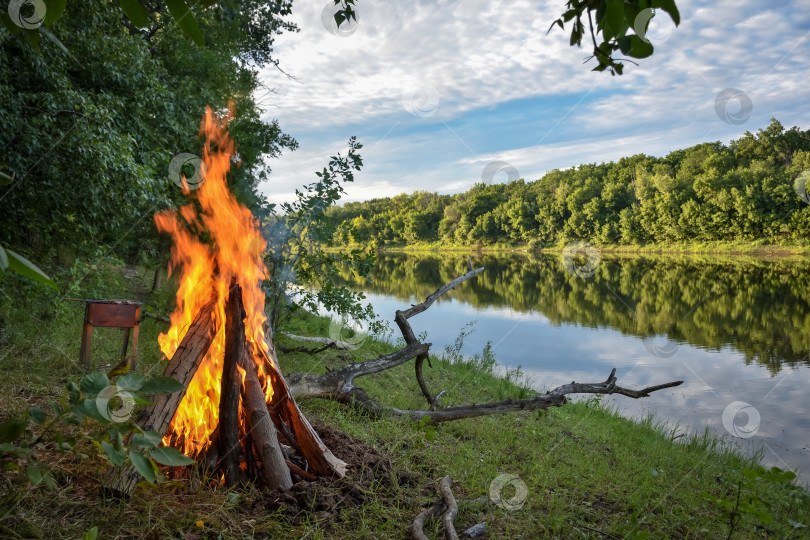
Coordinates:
149 439
91 534
36 415
161 385
49 481
143 465
169 456
74 391
57 410
11 429
33 38
638 47
185 20
140 401
131 381
613 22
135 11
12 29
670 7
53 10
89 408
20 264
624 44
34 474
430 433
3 259
118 441
93 383
116 456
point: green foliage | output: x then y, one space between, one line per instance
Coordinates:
711 192
613 20
92 420
746 495
425 426
296 257
91 128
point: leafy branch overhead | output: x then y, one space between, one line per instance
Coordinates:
37 22
614 19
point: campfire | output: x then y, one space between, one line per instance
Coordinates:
236 415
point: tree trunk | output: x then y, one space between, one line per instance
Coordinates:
157 280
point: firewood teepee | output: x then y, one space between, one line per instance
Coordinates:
235 408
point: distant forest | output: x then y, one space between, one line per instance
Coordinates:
747 190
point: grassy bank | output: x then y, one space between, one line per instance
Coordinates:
587 472
754 249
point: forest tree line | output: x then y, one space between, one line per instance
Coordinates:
710 192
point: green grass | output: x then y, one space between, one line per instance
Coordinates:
588 472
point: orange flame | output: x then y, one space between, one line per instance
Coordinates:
234 250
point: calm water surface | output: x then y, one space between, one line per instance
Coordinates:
737 332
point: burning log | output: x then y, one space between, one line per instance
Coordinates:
158 416
261 429
319 457
274 467
225 452
228 443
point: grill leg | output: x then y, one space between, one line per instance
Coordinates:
87 340
126 343
134 347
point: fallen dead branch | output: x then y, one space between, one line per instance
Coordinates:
445 487
337 344
339 384
446 507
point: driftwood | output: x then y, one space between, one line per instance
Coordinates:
401 318
339 384
326 343
445 487
158 416
446 507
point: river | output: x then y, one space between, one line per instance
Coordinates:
735 330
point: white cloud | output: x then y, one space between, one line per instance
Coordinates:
478 55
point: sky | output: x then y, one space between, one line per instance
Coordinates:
447 94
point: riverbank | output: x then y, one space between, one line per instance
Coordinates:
752 249
587 472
